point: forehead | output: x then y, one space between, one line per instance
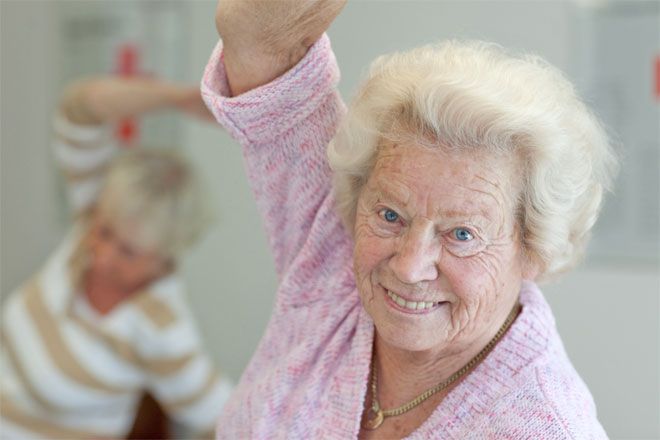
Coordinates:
454 181
128 234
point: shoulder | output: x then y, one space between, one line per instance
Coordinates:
52 284
540 394
164 320
551 403
162 303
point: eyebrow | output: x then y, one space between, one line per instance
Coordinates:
387 190
481 217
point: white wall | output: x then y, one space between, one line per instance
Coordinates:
608 315
29 214
608 319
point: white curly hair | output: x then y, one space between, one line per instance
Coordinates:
156 198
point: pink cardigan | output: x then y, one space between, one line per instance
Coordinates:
308 376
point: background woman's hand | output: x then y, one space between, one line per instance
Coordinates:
192 104
262 39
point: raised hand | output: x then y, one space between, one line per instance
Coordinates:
262 39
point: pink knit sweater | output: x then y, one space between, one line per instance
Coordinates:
308 377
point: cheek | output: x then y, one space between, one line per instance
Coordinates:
370 255
132 268
129 273
473 290
469 277
480 279
483 283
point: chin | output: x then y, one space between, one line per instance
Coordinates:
410 339
412 333
410 345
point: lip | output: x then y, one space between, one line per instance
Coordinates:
401 309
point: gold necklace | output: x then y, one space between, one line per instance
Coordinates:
377 414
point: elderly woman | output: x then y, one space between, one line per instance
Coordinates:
407 304
106 319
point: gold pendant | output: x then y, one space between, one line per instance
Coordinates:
374 419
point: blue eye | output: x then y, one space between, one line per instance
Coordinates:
390 216
462 234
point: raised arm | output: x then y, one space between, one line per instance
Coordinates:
272 83
106 99
83 143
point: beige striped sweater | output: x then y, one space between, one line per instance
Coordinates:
69 372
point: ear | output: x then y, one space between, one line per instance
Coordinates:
531 268
530 273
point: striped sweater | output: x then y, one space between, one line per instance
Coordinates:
308 377
69 372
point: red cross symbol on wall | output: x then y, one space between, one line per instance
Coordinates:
127 62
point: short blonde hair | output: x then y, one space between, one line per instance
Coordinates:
474 95
154 197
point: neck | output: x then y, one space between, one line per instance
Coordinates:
404 375
102 295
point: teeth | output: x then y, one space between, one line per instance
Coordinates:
412 305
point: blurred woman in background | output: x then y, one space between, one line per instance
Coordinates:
106 319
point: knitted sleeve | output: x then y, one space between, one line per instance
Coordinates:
284 128
83 153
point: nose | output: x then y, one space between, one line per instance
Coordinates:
105 255
417 257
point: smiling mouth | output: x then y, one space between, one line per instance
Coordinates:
412 306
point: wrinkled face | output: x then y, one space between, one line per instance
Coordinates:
118 262
437 256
